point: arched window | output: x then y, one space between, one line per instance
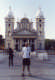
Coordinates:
9 25
8 45
40 25
40 20
40 46
9 33
16 40
40 32
21 26
24 20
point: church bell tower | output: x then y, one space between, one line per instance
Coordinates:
9 27
40 20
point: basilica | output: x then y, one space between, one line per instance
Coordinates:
15 38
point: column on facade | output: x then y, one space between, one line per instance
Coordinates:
38 44
14 43
35 42
20 44
31 42
28 41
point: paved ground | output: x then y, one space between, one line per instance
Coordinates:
41 70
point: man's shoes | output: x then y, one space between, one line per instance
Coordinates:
29 74
9 66
22 74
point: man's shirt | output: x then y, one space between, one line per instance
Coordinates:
26 52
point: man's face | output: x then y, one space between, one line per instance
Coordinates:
26 44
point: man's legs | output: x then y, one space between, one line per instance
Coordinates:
28 68
9 62
29 72
23 66
12 61
23 69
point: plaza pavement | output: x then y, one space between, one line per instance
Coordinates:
41 70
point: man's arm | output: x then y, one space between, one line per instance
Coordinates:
22 51
30 51
12 52
8 51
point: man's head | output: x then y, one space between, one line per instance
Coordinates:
26 44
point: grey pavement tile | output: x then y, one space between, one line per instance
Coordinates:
41 70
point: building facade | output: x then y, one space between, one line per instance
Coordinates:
15 38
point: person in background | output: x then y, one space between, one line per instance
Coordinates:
26 58
10 52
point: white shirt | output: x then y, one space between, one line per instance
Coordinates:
26 51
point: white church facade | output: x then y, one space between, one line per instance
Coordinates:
15 38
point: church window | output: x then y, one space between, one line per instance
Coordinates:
40 32
9 25
24 20
40 25
40 20
16 40
9 33
28 26
16 47
9 20
21 26
40 46
8 45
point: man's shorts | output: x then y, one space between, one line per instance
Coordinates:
26 61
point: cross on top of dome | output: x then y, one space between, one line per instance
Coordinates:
10 9
10 13
39 13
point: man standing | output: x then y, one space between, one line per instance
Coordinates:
26 58
10 52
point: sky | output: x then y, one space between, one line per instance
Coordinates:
29 8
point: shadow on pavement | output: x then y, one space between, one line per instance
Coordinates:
32 76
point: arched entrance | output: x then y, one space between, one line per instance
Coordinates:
19 43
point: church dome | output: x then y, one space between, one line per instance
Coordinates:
39 14
25 20
10 13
